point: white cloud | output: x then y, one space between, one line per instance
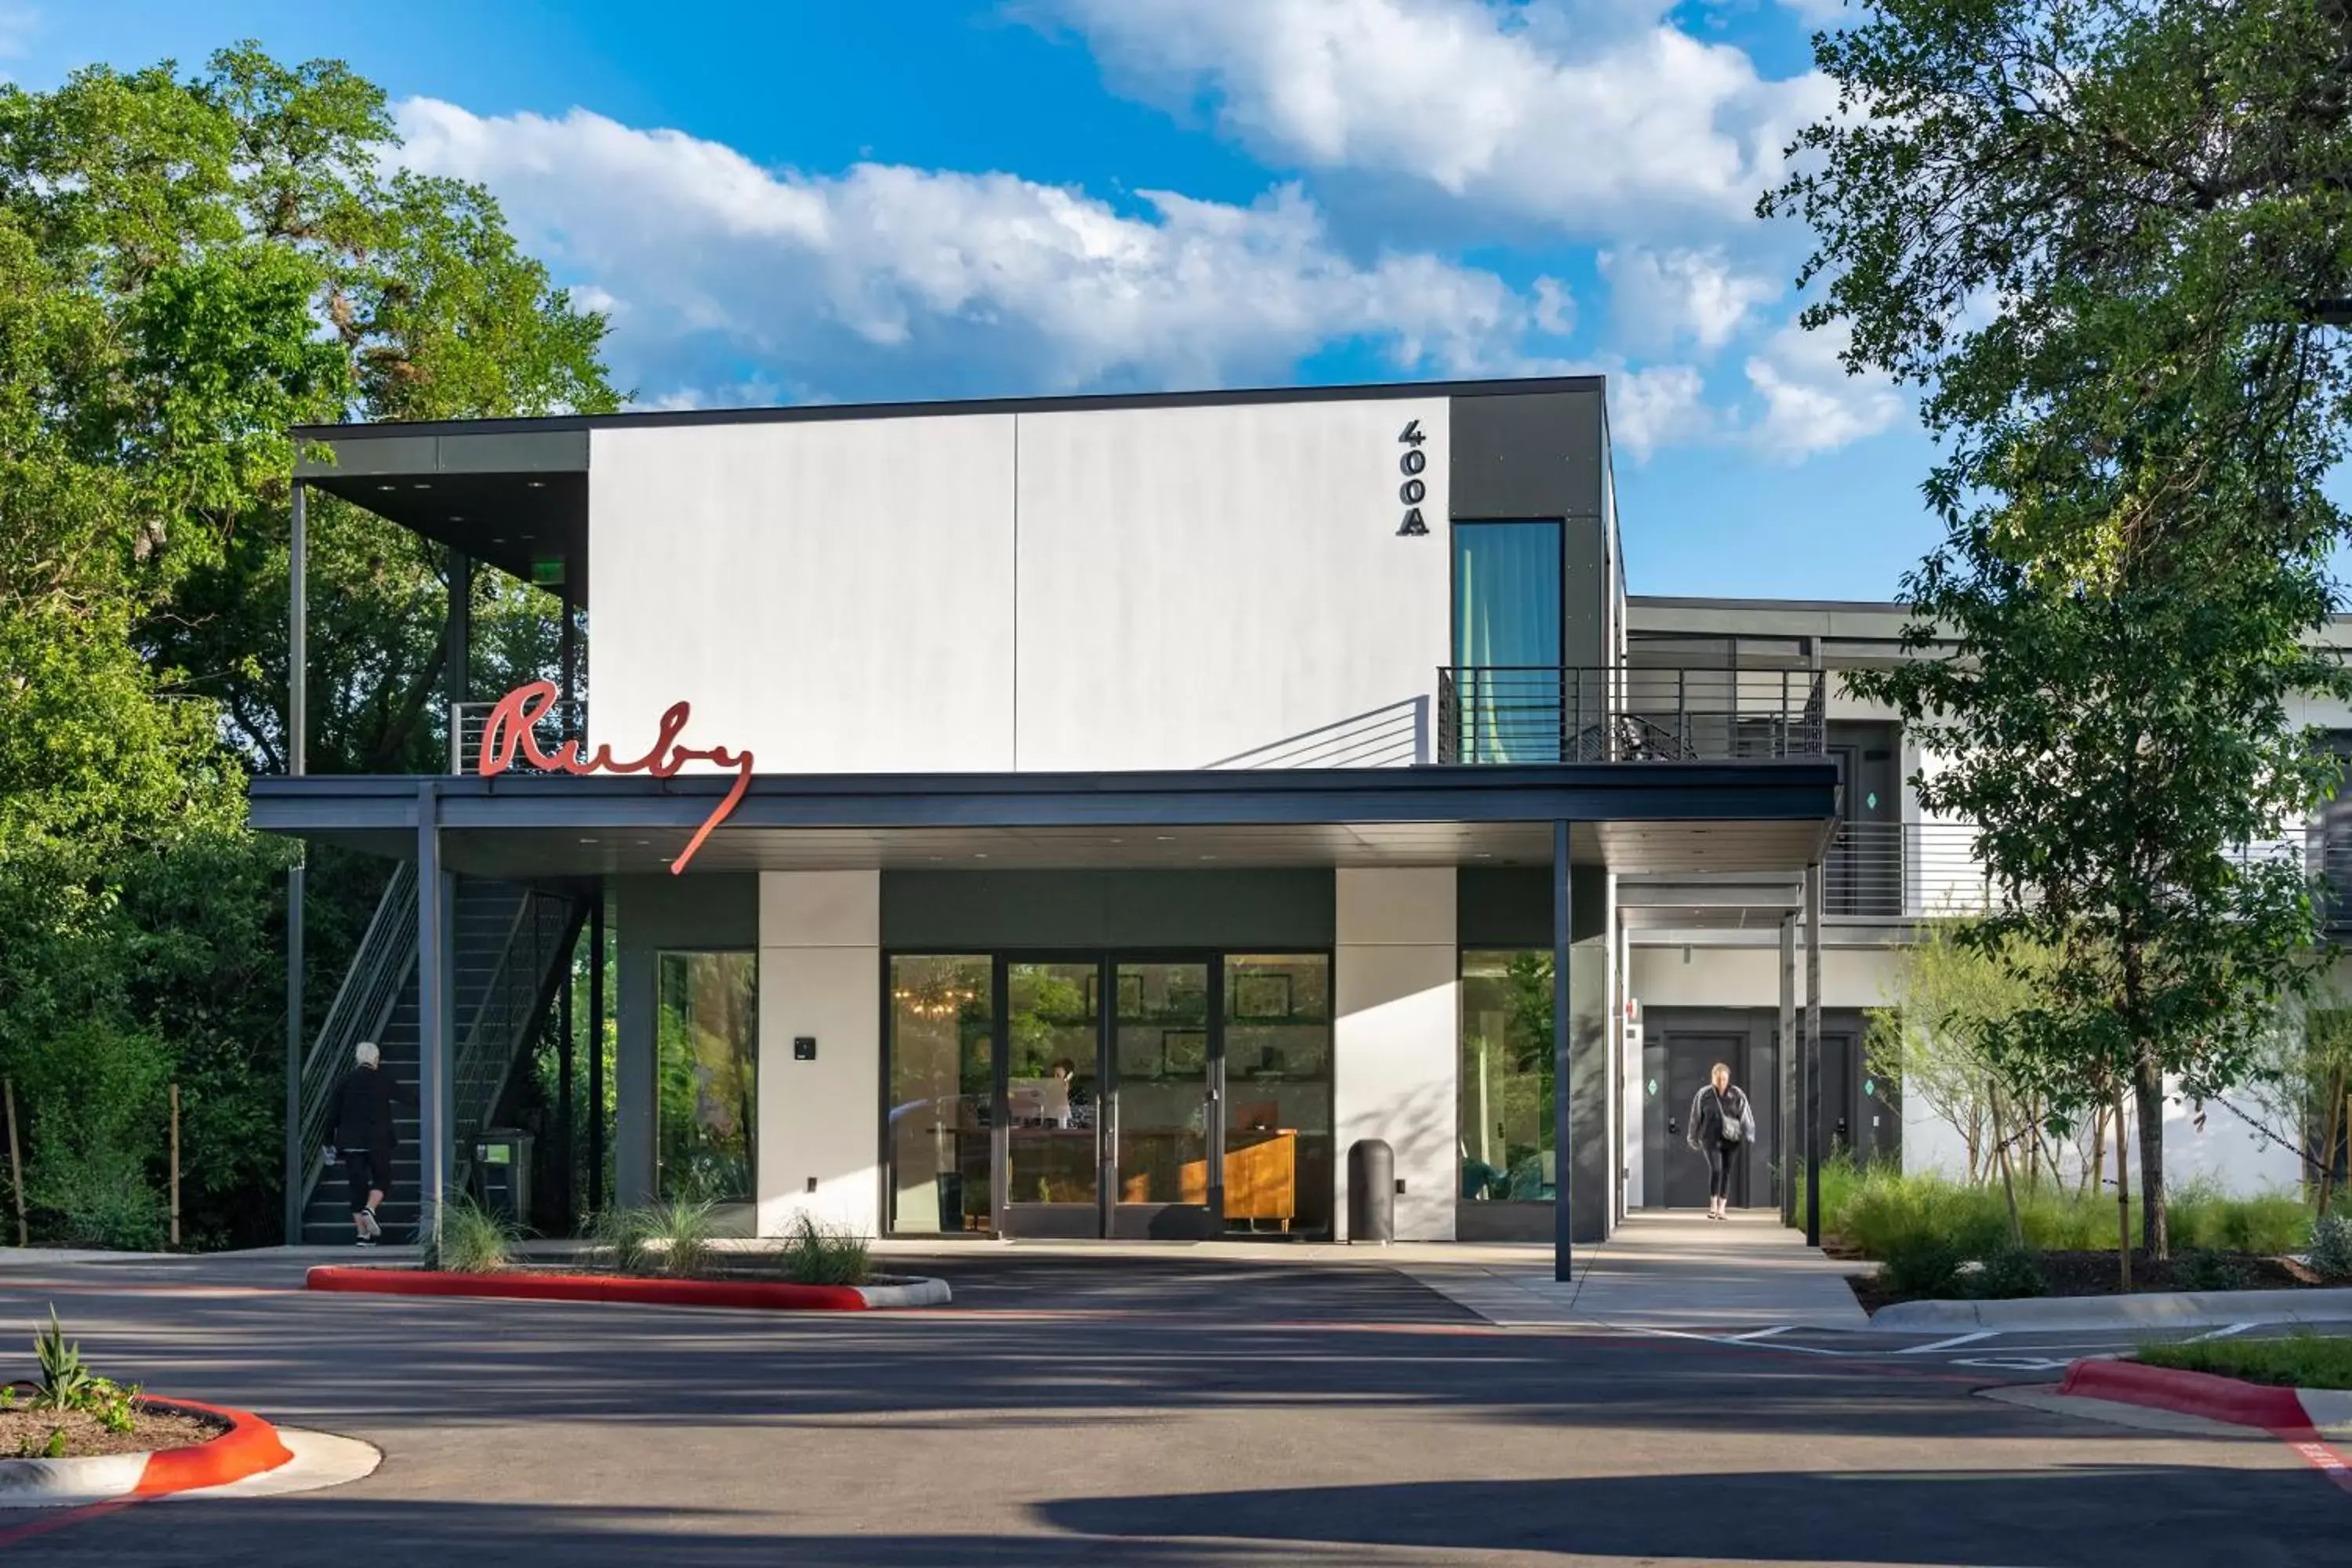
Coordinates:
721 272
1824 13
1811 404
1657 296
1661 405
1596 119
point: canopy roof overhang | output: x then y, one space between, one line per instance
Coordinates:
1656 818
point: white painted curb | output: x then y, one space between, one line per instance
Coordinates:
2178 1309
924 1292
2330 1409
69 1483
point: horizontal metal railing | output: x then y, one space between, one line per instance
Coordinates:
1921 869
1626 713
563 722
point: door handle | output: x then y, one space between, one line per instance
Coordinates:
1673 1128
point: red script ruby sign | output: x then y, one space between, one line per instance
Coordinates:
511 729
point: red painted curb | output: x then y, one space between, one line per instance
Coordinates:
2187 1393
766 1295
250 1446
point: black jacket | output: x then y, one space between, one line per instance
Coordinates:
1709 1112
364 1114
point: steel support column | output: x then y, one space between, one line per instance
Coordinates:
297 738
1563 1145
432 1013
1784 1092
1813 1055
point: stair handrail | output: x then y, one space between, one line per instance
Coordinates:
364 1003
519 987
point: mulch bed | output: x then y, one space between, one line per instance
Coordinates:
25 1433
2094 1274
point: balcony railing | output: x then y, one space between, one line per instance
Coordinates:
1916 870
563 722
1617 713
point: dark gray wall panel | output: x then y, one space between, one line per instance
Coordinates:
651 914
1510 906
1532 456
975 910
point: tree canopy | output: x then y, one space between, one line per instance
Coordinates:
190 265
2109 240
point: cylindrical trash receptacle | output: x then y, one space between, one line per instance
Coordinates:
1372 1190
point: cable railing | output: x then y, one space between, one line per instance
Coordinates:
563 722
363 1003
1626 713
507 1013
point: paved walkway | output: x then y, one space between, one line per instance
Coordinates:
1664 1270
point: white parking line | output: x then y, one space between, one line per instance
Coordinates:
1948 1345
1764 1333
2222 1332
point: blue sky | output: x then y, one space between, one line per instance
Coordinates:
798 201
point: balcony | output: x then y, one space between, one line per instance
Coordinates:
1919 870
563 722
1622 714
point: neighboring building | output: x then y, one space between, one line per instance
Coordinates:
1142 800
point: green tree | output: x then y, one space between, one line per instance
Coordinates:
189 267
2106 237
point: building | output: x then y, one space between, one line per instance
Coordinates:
1096 815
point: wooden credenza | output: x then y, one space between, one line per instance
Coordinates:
1261 1176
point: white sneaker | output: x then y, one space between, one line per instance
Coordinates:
369 1229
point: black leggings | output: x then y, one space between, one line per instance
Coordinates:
1722 1160
359 1169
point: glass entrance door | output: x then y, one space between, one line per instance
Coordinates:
1052 1046
1161 1126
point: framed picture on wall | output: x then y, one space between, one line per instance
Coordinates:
1262 994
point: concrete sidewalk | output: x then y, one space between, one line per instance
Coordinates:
1662 1270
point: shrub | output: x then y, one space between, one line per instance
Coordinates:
2008 1275
1923 1266
2330 1248
469 1239
818 1253
68 1384
672 1239
2198 1216
2202 1269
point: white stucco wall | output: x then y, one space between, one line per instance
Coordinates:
1199 585
1112 589
1396 1059
1750 977
836 595
820 975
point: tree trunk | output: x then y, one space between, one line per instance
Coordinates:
2122 1193
2007 1182
2148 1085
2098 1151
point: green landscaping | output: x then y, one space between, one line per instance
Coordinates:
1880 1211
2300 1360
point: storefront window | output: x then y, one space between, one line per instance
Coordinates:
708 1102
1277 1164
942 1087
1507 1076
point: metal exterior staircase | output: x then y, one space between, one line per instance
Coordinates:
511 944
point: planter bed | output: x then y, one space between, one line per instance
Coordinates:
743 1290
2094 1274
25 1433
175 1446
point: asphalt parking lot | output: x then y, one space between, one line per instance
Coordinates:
1075 1410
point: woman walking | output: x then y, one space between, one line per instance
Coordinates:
1720 1122
363 1135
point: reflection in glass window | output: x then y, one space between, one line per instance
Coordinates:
1507 1076
707 1040
942 1087
1278 1092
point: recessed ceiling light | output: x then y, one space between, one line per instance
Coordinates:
980 855
587 841
387 487
1208 857
1166 838
456 517
538 484
422 485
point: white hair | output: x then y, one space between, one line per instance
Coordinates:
367 1055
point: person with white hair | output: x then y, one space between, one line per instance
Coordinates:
363 1135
